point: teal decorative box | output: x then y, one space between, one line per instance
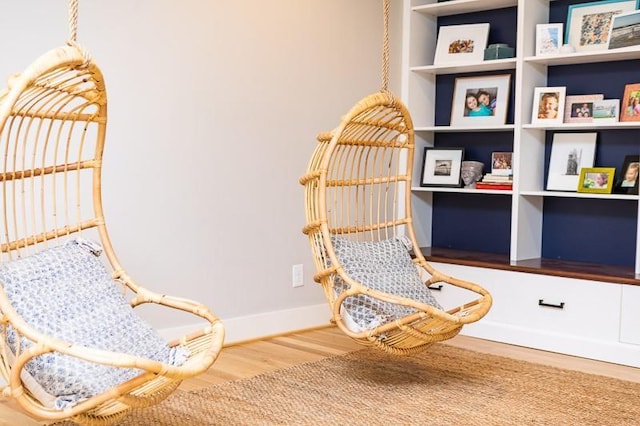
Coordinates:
498 51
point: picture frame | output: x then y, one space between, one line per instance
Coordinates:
606 111
491 95
548 105
596 180
627 180
548 39
441 167
625 30
579 108
570 153
589 24
502 163
461 44
630 104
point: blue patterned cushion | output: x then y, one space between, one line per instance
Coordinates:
66 292
385 266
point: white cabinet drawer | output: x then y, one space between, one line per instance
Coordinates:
630 315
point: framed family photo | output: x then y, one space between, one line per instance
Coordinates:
502 163
627 180
441 167
480 101
548 39
461 44
570 153
596 180
589 24
630 108
579 108
548 105
625 30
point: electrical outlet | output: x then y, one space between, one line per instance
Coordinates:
297 273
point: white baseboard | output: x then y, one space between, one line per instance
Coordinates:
262 325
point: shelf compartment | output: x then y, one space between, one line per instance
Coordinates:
457 7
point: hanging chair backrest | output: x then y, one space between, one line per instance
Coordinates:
358 182
53 118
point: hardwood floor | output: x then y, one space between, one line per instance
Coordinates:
251 358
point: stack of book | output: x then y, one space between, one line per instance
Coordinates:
493 181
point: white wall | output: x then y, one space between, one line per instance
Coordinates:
213 110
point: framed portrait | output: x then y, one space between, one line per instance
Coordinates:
548 39
589 24
480 101
630 108
627 180
441 167
461 44
548 105
502 163
606 110
625 30
597 180
579 108
570 153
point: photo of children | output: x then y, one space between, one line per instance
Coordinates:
480 102
627 179
548 106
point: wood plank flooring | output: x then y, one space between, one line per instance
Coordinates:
251 358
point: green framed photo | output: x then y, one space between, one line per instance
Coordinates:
596 180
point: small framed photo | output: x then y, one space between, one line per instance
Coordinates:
597 180
579 108
589 24
625 30
548 105
630 109
627 180
548 39
570 153
461 44
480 101
441 167
606 111
501 163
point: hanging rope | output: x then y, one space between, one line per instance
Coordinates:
73 31
385 46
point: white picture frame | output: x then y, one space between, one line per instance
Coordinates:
549 39
494 89
461 44
589 24
606 111
625 30
579 108
546 101
570 152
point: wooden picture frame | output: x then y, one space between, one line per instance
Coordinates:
548 39
579 108
627 180
548 105
606 111
491 95
461 44
630 107
570 153
596 180
441 167
589 24
625 30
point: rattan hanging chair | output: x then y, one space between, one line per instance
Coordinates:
359 224
67 316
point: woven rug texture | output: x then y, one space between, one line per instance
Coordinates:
444 385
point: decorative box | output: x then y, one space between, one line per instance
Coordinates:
498 51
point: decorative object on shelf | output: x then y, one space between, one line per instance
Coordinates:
548 102
627 180
471 172
630 109
498 51
597 180
442 166
625 30
548 39
570 153
461 44
501 163
606 111
567 48
480 101
579 108
589 24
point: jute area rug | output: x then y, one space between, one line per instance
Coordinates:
443 386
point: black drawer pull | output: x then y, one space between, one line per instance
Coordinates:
435 287
541 302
